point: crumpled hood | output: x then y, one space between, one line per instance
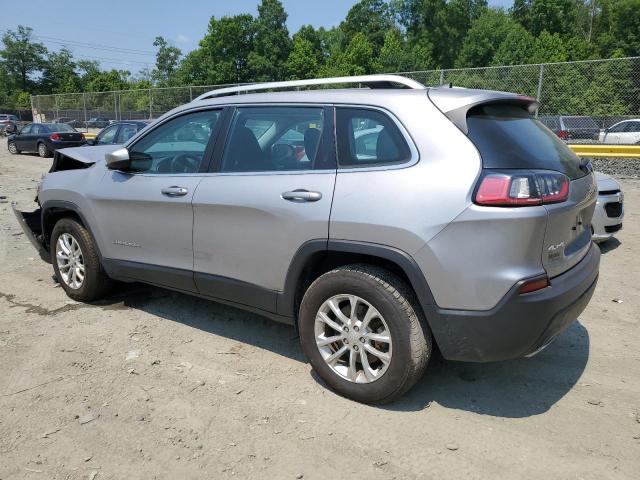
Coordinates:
89 154
605 182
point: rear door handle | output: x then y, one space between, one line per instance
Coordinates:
175 191
302 196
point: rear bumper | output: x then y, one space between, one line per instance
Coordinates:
31 223
520 325
58 145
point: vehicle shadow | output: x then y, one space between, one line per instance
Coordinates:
609 245
207 316
514 389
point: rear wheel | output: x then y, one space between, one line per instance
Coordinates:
362 332
13 149
43 150
76 262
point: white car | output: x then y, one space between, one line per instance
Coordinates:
626 132
609 212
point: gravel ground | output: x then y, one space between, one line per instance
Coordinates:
154 384
618 167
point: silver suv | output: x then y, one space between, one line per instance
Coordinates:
381 222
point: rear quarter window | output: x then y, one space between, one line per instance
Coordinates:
508 136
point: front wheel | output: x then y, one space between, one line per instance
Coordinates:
43 151
76 262
13 149
363 334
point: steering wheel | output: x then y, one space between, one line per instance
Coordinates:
283 155
186 163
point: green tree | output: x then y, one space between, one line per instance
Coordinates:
517 48
554 16
394 55
548 48
224 52
303 60
485 36
272 44
106 81
625 26
22 57
167 60
357 59
59 73
372 18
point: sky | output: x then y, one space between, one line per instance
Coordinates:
120 33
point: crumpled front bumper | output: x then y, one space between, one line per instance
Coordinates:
31 223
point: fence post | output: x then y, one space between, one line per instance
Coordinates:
190 93
33 109
84 107
115 104
539 95
441 77
150 105
57 111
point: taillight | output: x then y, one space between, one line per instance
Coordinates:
54 136
563 134
521 189
553 187
534 285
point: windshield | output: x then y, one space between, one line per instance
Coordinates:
60 127
507 136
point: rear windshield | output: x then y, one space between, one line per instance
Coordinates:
60 127
508 136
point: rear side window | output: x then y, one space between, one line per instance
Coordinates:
275 138
507 136
368 138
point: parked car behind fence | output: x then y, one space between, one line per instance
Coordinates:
626 132
572 127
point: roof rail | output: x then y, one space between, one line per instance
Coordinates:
371 81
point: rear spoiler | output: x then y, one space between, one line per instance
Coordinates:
455 103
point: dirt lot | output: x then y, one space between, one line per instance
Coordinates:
154 384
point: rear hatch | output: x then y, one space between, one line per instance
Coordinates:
510 139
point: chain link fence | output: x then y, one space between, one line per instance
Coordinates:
606 90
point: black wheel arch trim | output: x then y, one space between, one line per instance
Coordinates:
50 205
286 300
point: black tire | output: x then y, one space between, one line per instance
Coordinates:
96 283
411 337
15 150
43 150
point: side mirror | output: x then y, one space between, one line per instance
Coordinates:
118 160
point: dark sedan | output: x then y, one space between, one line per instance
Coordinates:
44 138
118 132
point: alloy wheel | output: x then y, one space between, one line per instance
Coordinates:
353 338
12 148
70 261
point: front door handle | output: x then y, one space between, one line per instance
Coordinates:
302 196
175 191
